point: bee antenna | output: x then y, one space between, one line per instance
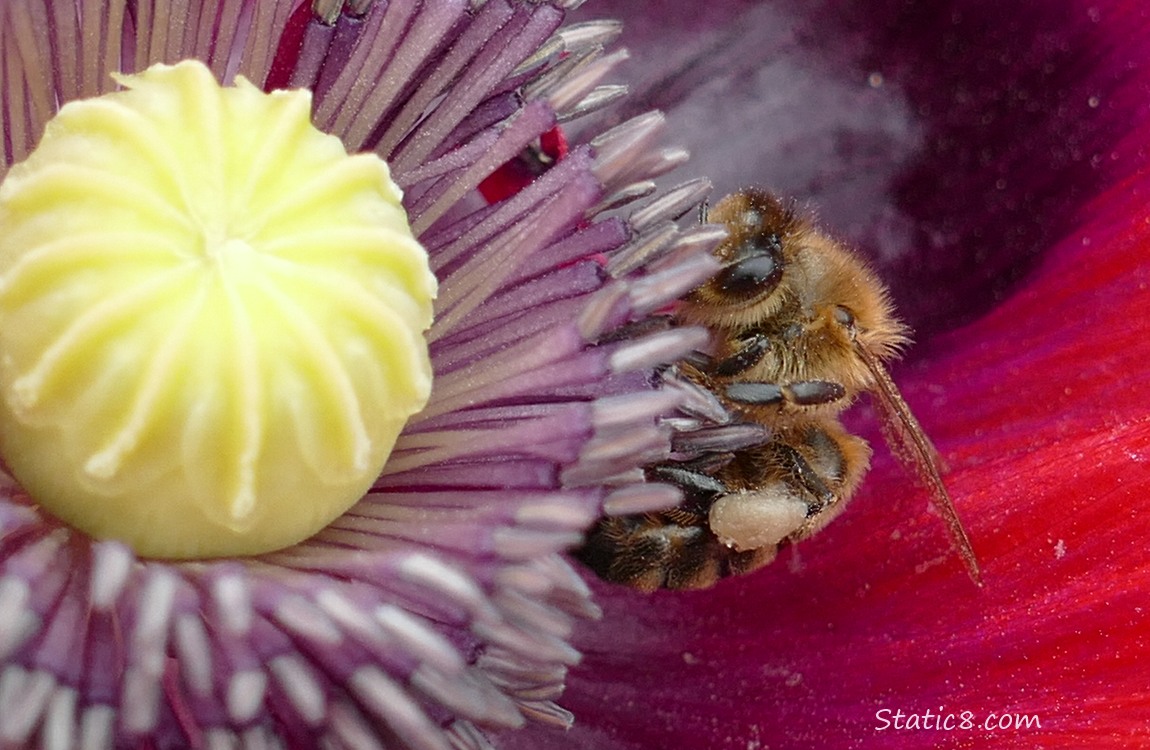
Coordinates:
913 449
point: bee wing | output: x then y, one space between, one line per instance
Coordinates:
917 454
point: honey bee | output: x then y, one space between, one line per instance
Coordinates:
799 327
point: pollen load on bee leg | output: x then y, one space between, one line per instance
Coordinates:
754 519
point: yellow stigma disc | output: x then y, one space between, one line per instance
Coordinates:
211 317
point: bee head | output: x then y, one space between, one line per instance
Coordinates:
788 288
755 257
847 301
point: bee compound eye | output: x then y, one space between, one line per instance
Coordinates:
750 278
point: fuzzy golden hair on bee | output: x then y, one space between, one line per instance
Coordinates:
800 326
780 270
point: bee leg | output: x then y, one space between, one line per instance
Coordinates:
753 348
800 393
798 472
783 497
700 489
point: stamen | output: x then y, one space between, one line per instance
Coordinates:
25 57
720 439
641 498
596 33
140 699
96 726
574 78
687 247
660 288
351 728
523 358
302 51
295 679
660 161
24 695
387 700
528 644
17 621
501 53
359 7
600 98
18 139
299 617
660 347
327 10
245 694
429 647
195 651
424 37
672 204
615 150
522 677
258 49
555 514
632 408
64 34
231 599
609 454
220 739
697 401
59 728
531 122
621 197
470 696
153 614
525 544
549 713
434 575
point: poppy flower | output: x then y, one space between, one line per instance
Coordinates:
437 607
992 163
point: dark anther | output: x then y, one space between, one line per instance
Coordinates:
721 439
696 486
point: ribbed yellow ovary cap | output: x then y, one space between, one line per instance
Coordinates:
211 317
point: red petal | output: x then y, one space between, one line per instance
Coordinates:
518 173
